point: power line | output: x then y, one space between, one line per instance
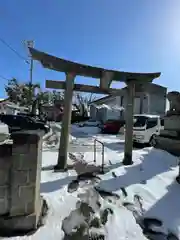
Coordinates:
4 78
12 49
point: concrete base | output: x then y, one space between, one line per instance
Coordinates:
58 168
170 133
127 159
21 225
172 122
178 179
168 144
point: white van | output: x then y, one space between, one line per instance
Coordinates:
146 127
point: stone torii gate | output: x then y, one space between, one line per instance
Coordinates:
72 69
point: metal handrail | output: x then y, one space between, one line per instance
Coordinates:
102 152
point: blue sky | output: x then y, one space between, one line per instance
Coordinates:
128 35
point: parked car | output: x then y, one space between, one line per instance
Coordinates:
23 122
146 128
112 126
76 117
36 117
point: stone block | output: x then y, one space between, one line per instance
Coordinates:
19 178
24 162
5 150
4 177
3 206
21 196
18 206
32 175
26 137
172 123
25 208
20 149
10 225
5 163
5 156
4 200
17 210
27 193
3 191
25 173
30 207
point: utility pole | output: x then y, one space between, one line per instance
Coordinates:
30 43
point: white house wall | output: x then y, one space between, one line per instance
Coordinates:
145 105
153 100
157 104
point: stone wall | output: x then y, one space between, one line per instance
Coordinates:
5 164
20 169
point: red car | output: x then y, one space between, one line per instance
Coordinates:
112 126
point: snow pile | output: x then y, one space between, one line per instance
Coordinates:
4 128
4 132
91 123
94 216
116 107
52 139
106 112
152 177
89 130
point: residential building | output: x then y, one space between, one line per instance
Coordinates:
150 99
8 107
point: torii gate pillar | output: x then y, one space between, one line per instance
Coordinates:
129 124
66 123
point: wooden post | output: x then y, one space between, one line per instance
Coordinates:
129 124
66 123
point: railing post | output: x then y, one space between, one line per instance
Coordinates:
178 177
102 153
95 150
102 158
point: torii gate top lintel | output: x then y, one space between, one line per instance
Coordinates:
62 65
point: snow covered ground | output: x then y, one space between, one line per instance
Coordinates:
151 178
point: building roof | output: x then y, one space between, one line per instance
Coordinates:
102 98
150 86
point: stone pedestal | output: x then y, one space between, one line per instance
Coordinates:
169 144
172 123
169 138
170 133
5 165
22 183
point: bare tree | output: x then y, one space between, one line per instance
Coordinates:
82 102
